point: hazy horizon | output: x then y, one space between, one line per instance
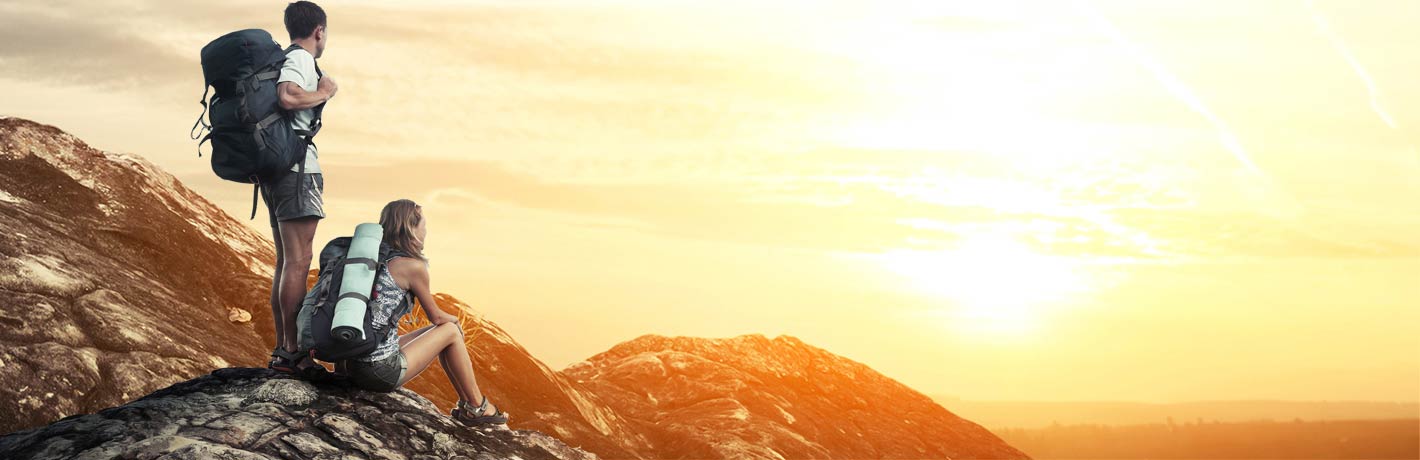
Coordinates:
1038 414
1021 201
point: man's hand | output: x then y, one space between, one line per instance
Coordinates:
327 86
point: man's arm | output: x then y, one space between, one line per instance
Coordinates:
293 97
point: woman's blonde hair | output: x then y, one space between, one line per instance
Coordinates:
399 219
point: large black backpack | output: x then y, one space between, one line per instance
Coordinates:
314 333
252 138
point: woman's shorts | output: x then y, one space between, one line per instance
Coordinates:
380 375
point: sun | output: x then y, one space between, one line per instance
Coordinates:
994 284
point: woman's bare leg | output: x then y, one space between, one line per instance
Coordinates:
444 341
443 363
403 339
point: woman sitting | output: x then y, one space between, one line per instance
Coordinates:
387 368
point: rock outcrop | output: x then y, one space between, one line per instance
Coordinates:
752 397
115 280
244 413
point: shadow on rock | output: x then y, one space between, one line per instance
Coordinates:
246 413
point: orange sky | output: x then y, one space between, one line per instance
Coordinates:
1151 201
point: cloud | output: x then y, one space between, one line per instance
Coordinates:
88 49
697 122
1206 234
807 208
723 212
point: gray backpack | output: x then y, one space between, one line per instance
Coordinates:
317 330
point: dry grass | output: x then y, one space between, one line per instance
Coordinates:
417 319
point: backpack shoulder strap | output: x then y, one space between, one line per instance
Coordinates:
315 111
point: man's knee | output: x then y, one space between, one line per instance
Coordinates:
297 260
296 266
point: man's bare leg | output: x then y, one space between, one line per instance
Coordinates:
296 236
276 292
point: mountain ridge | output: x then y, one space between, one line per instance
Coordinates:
140 284
771 398
109 267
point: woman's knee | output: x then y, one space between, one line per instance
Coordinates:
450 331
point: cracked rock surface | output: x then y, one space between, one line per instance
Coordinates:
115 279
247 413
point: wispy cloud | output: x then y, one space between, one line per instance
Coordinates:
693 120
83 47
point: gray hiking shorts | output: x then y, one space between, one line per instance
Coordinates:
282 202
380 375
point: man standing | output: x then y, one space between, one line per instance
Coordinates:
294 200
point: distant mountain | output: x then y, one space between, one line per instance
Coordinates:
753 397
1036 414
1191 439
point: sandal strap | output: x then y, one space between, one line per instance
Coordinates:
292 356
486 403
478 410
482 404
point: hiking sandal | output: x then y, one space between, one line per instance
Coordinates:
474 415
290 362
283 361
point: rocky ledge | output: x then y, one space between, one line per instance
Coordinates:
245 413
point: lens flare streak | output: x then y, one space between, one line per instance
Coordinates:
1340 45
1171 82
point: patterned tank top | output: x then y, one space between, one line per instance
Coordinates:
390 303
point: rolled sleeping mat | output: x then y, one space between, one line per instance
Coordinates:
348 321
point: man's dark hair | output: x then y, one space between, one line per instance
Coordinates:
302 18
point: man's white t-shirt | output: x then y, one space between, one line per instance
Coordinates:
300 67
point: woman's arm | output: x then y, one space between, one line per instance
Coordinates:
419 284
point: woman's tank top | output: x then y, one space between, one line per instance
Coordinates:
390 303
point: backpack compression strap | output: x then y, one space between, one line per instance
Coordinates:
197 128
